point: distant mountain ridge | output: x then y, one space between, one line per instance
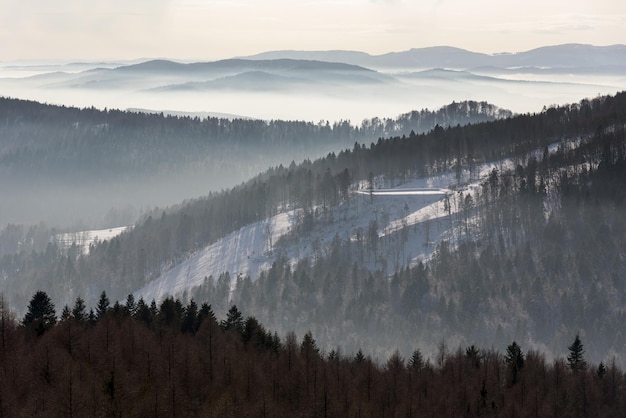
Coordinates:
562 56
239 64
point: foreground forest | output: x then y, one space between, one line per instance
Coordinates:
171 360
535 254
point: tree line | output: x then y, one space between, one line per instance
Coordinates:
179 360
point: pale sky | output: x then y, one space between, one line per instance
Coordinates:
216 29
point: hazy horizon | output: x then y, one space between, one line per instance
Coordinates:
217 29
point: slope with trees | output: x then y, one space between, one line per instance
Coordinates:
89 163
539 257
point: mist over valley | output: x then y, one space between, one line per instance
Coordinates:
420 201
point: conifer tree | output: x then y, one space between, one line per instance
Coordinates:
473 355
91 320
41 315
416 362
66 313
103 305
190 318
575 358
234 320
359 357
79 311
395 363
131 305
205 312
515 360
309 348
143 312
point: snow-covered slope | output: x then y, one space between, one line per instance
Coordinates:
411 218
253 248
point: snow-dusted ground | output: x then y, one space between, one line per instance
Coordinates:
84 238
416 206
249 251
243 252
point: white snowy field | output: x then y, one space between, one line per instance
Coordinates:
83 239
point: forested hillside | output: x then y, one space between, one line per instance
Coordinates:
536 251
180 360
85 164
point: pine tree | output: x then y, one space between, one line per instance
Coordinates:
416 362
515 360
473 355
395 363
66 313
575 358
205 312
41 315
308 348
79 312
143 312
190 318
131 306
234 320
359 357
91 320
103 305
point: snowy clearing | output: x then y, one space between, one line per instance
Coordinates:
84 239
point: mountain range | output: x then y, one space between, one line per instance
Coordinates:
570 56
329 85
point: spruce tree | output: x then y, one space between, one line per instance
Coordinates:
308 347
103 305
359 357
131 305
79 312
66 313
473 355
41 315
234 320
416 362
575 358
601 370
515 360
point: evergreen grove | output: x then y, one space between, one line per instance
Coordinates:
135 359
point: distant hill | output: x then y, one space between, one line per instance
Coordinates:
559 56
239 65
84 162
239 74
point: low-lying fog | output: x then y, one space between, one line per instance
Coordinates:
286 89
312 99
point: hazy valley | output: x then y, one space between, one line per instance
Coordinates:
316 194
332 85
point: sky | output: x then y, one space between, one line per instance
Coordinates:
217 29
